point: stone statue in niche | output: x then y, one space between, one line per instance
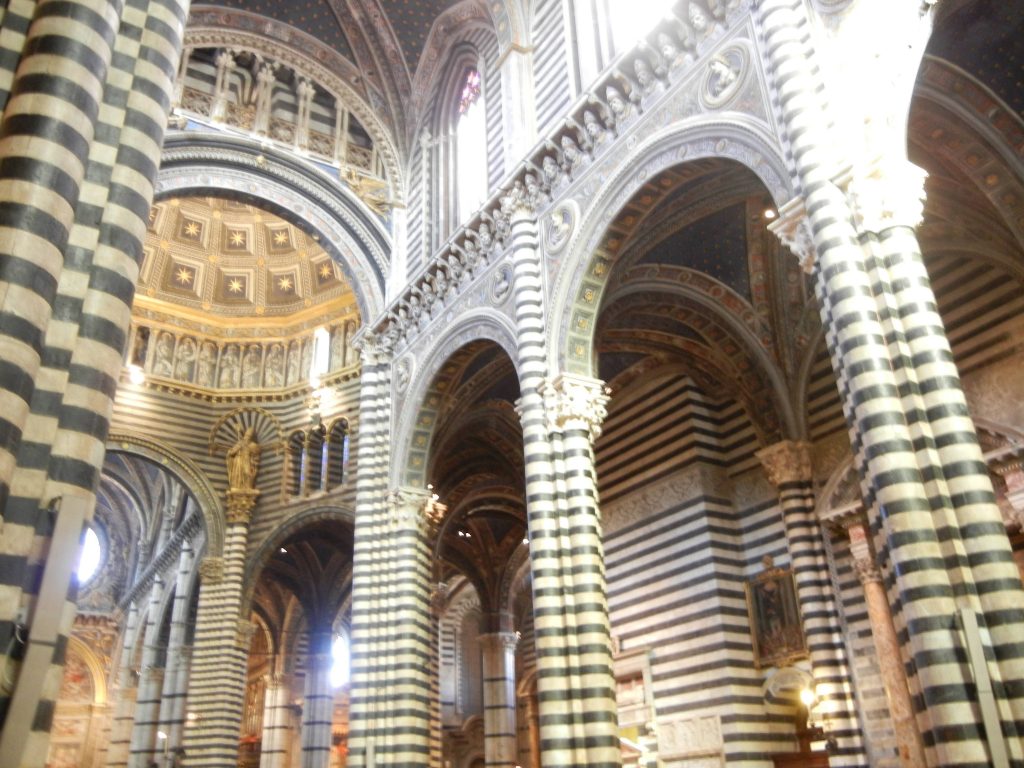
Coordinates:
293 363
229 368
140 347
307 357
273 371
186 364
162 365
644 75
350 355
207 364
338 347
251 367
243 462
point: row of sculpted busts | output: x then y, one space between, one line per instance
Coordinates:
236 365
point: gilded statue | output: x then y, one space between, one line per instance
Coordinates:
243 460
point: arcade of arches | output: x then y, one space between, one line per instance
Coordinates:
700 442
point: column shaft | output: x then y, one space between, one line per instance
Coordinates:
887 646
883 441
499 699
369 599
276 716
124 708
788 465
318 705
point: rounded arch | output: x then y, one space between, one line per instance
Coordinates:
306 55
188 473
416 414
211 164
583 274
259 558
94 664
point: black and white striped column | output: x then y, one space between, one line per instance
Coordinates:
932 583
499 649
367 699
318 702
172 699
124 708
220 655
147 702
413 517
788 465
577 406
276 722
551 633
575 686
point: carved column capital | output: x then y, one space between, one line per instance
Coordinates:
860 549
415 508
787 462
887 193
577 402
793 229
240 505
211 569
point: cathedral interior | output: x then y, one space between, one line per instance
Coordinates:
511 383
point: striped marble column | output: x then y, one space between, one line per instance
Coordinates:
551 633
220 654
577 408
575 687
788 466
127 682
172 711
369 599
499 659
889 209
883 441
62 441
413 516
147 701
318 702
276 718
47 129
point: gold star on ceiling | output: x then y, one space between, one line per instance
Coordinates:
325 271
192 229
184 276
280 238
284 283
237 238
235 285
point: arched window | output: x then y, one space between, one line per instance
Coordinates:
296 459
337 453
470 145
315 451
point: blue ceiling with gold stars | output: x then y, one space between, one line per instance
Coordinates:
412 20
314 17
715 245
986 38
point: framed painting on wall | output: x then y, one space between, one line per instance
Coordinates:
775 625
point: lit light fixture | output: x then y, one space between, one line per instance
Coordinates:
191 717
769 213
283 551
135 374
161 735
807 697
526 539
